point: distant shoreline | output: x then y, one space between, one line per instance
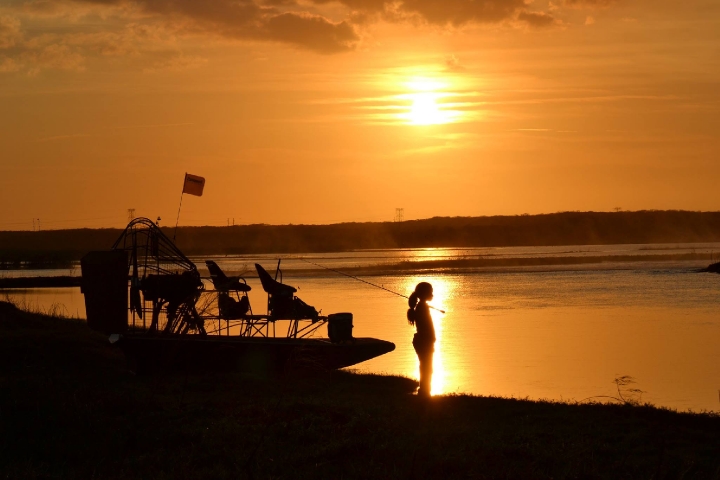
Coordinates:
566 228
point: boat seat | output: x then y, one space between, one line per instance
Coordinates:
224 283
272 286
282 303
231 309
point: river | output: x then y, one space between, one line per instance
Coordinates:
556 332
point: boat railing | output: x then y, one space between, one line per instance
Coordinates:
246 325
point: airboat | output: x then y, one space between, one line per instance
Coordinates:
153 303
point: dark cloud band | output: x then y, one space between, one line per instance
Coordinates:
246 19
300 24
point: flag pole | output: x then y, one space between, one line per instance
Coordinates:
178 215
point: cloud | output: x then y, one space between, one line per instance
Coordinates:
8 65
59 57
9 31
589 3
452 64
311 31
42 7
176 63
38 35
41 53
246 20
63 34
224 19
460 12
443 13
537 19
69 50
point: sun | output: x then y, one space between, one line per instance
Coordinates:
425 103
424 109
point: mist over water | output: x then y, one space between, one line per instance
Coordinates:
553 333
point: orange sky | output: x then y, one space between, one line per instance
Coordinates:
320 111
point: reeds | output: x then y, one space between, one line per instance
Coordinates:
55 309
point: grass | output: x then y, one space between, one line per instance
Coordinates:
69 408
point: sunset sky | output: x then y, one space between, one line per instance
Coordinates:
331 111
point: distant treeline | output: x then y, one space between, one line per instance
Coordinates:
565 228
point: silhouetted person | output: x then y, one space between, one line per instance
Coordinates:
424 340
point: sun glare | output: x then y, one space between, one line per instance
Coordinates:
417 101
425 103
424 110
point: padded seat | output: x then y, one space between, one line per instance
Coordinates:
272 286
282 303
224 283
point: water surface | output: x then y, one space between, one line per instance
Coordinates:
553 333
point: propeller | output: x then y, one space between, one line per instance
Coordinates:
135 303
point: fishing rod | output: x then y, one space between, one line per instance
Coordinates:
364 281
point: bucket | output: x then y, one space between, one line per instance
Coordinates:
340 327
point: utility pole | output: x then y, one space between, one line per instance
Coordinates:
38 224
399 214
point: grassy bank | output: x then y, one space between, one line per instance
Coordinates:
69 408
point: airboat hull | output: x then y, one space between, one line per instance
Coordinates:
164 289
147 354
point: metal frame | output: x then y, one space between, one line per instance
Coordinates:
151 252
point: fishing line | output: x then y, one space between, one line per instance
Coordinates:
364 281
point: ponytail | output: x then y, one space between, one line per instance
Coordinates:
423 291
412 303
